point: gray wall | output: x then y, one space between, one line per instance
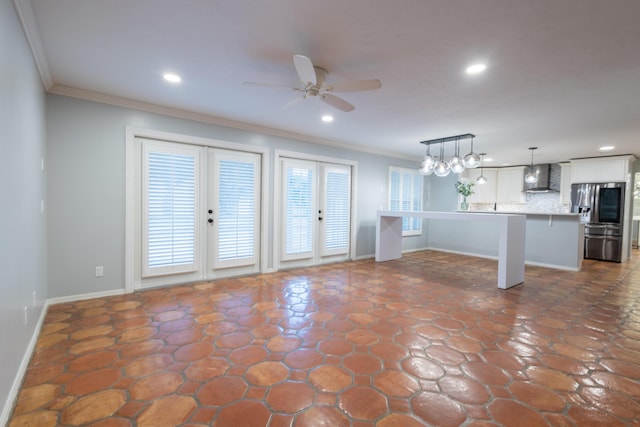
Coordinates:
86 184
23 256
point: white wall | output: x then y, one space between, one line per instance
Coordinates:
23 261
86 183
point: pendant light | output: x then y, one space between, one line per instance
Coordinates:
532 176
455 162
441 168
481 179
426 168
471 160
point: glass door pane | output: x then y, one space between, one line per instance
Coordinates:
170 209
233 209
299 209
335 211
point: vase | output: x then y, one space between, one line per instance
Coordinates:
464 205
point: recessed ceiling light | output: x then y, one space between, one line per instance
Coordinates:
327 118
506 164
488 159
476 68
173 78
606 148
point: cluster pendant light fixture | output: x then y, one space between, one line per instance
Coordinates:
456 164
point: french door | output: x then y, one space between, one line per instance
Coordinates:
200 213
233 212
315 212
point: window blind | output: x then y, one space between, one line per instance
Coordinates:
299 210
170 202
405 193
337 211
236 210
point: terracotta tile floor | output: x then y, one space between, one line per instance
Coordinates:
425 340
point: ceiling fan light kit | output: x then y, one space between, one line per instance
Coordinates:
313 79
455 163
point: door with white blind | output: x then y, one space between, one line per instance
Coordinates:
233 212
199 214
170 209
315 212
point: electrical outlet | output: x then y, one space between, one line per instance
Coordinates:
99 271
26 315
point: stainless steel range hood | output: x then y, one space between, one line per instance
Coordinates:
542 186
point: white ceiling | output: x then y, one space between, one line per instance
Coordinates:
563 75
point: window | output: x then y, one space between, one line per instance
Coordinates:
405 194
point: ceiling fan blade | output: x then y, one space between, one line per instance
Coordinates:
305 70
354 86
336 102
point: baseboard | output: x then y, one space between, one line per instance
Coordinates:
22 369
536 264
554 266
473 254
81 297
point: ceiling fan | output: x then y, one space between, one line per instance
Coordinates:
314 80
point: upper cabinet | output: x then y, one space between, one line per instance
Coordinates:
504 185
510 185
602 169
483 193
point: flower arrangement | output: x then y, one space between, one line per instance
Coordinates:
464 189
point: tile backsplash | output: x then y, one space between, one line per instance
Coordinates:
534 202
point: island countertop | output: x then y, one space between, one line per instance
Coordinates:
569 214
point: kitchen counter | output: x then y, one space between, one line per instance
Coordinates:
524 213
552 239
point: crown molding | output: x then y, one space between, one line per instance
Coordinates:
219 121
30 28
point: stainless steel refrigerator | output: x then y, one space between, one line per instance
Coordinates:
601 209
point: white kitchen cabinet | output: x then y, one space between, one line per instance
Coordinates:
510 183
565 183
483 193
601 169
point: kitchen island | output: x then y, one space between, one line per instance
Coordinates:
553 239
508 236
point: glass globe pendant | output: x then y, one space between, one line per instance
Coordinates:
471 160
532 176
426 167
481 179
455 162
441 167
